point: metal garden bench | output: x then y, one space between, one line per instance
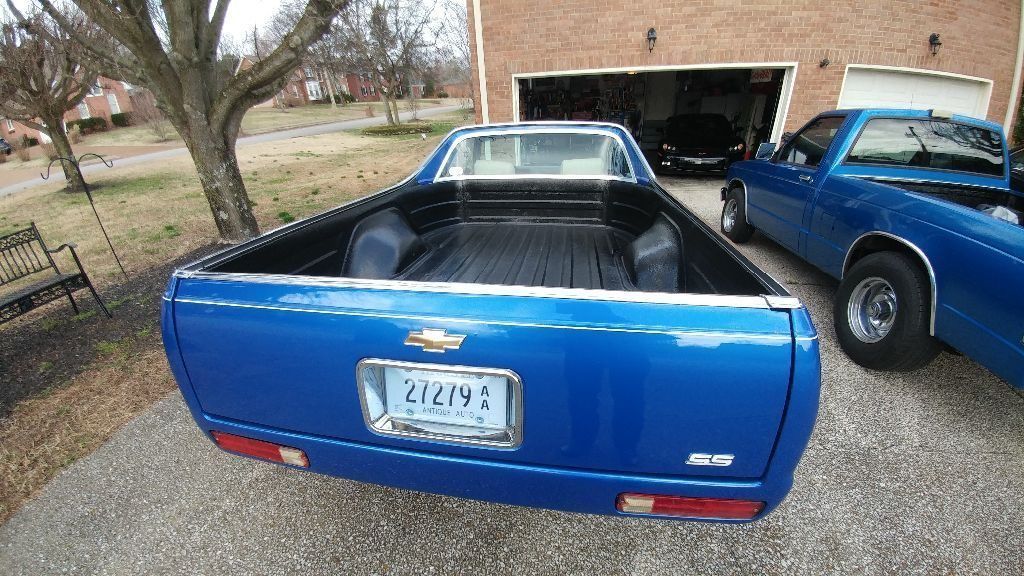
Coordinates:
23 254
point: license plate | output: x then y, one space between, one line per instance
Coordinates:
461 398
459 404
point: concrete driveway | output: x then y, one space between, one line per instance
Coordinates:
917 473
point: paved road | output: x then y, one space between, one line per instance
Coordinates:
256 139
916 473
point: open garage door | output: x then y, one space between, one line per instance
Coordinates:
744 104
884 88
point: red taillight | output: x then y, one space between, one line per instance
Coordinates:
261 449
684 507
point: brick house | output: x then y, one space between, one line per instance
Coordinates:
107 97
767 66
360 87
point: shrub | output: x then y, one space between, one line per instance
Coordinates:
120 119
49 150
348 97
22 152
398 129
3 157
442 94
74 134
88 125
27 142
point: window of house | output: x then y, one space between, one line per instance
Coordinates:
362 90
372 90
96 90
308 71
313 88
10 125
83 110
295 90
925 143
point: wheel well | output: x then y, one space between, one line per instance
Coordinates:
873 243
737 183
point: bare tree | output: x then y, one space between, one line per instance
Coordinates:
456 45
171 47
41 77
384 38
145 113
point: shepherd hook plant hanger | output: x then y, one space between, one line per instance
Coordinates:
88 195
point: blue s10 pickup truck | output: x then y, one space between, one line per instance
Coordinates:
913 211
529 318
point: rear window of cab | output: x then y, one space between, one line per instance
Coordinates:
538 154
929 144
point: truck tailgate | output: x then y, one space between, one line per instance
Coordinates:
631 387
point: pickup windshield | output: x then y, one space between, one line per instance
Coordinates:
917 143
538 154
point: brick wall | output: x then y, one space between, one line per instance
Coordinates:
979 39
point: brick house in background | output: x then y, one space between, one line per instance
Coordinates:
767 66
106 98
359 86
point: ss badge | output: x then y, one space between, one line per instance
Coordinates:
701 459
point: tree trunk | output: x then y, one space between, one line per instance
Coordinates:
222 183
330 89
394 106
59 137
384 99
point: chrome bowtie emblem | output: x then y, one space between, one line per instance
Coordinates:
435 340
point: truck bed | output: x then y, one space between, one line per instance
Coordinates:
525 254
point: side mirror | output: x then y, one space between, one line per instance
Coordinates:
765 151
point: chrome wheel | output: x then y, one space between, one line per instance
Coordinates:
729 215
871 310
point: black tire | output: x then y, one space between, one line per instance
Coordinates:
733 222
882 314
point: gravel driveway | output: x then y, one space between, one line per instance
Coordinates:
912 473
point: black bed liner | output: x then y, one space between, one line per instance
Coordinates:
525 254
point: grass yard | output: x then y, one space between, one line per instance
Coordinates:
85 376
263 119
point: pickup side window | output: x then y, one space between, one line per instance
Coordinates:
809 145
925 143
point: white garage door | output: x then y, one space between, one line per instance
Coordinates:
872 88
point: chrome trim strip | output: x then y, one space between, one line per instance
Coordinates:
918 251
717 300
923 181
746 198
747 336
383 424
521 129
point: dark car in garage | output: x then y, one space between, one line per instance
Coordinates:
5 148
698 143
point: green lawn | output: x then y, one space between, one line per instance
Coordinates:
263 119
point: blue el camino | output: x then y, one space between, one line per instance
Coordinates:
528 319
913 211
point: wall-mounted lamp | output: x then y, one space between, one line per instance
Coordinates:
652 37
824 63
934 43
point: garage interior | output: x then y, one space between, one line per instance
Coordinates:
644 101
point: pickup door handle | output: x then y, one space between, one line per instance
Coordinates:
805 178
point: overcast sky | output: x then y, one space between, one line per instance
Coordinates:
242 15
